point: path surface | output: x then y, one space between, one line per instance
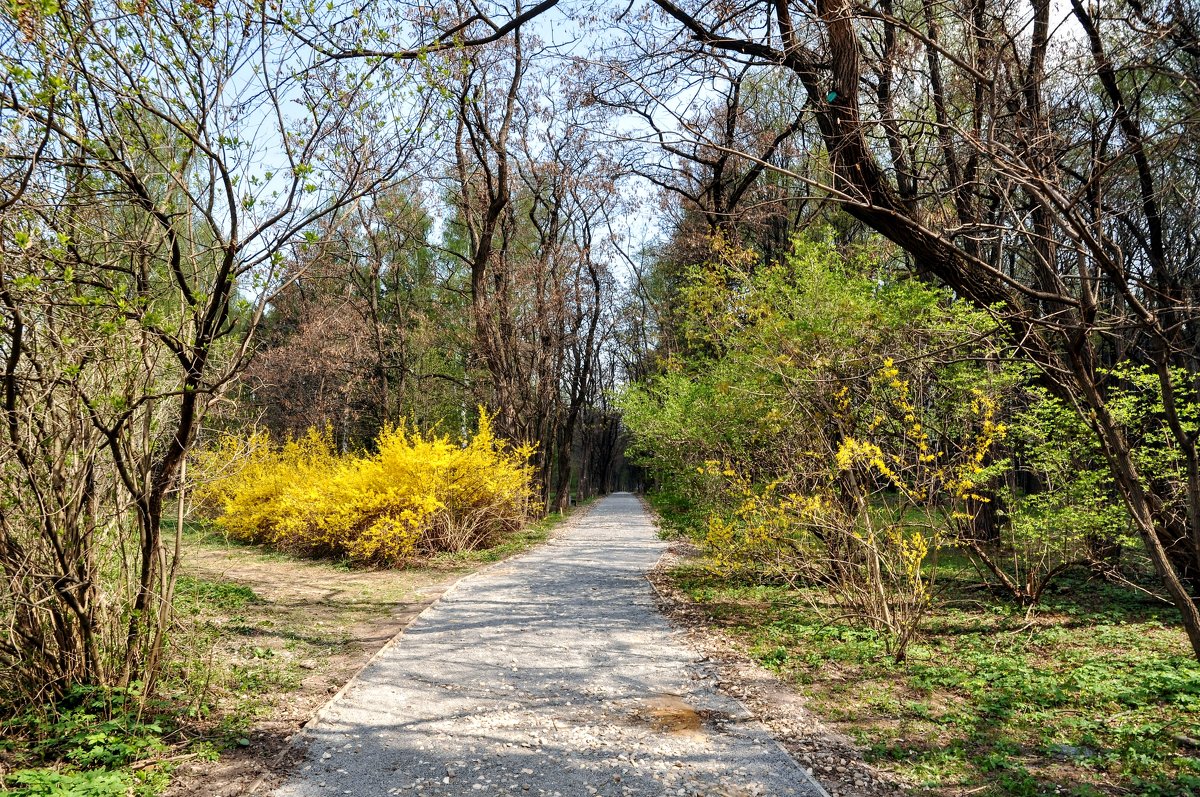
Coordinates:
549 674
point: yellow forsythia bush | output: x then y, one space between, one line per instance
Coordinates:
416 495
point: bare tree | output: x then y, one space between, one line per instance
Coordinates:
722 138
530 190
167 160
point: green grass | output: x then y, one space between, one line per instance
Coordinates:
195 594
1087 696
206 534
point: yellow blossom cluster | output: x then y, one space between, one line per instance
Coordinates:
908 548
764 528
417 494
901 400
962 480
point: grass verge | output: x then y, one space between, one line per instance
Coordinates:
1096 693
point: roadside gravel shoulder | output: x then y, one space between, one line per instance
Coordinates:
829 756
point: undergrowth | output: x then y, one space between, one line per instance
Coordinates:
1085 697
112 741
1094 692
93 742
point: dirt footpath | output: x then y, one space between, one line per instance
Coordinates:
553 674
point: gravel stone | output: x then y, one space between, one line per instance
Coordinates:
555 675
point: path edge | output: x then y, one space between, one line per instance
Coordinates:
665 601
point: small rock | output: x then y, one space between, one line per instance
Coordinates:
1071 751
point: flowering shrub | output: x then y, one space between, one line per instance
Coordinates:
834 426
416 495
762 530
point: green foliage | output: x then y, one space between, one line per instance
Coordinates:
826 418
1091 694
1135 399
89 783
678 516
91 727
782 353
836 422
90 738
1072 512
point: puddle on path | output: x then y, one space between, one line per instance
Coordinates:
671 714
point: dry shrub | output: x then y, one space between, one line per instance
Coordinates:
417 495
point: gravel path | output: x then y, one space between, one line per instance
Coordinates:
553 674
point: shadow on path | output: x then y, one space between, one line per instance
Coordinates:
550 674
